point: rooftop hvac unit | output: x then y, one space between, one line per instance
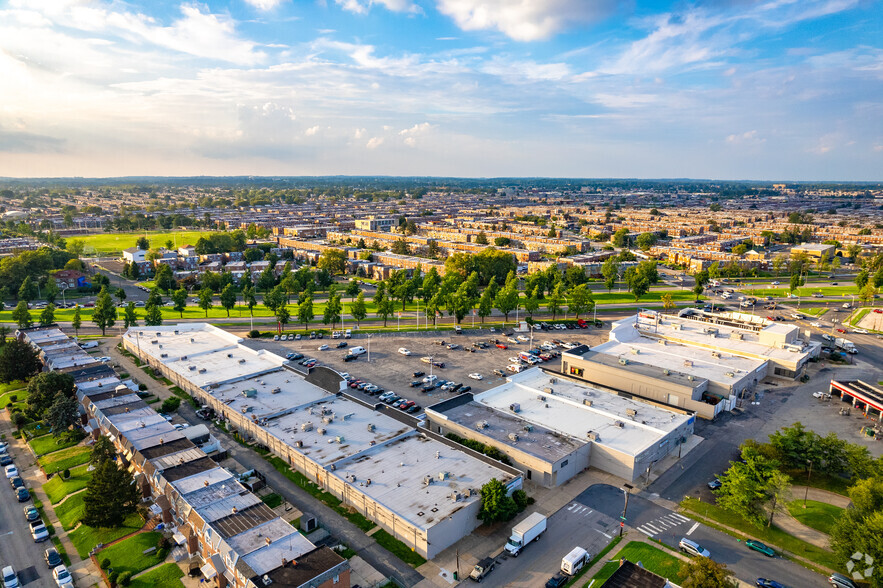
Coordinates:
163 354
548 391
553 380
513 436
340 439
666 373
623 361
321 431
736 335
176 332
636 351
715 354
690 377
528 427
160 346
348 416
298 443
191 367
250 393
202 370
455 496
688 363
677 326
541 398
711 331
730 374
229 355
663 342
427 480
308 426
192 340
242 360
327 419
619 424
587 402
515 407
593 436
442 476
276 390
481 425
183 358
154 342
631 411
371 427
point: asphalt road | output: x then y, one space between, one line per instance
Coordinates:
669 527
17 548
575 525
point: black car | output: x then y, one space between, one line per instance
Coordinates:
342 344
418 374
456 387
416 383
557 580
350 357
429 387
22 494
52 558
16 482
413 409
465 389
5 460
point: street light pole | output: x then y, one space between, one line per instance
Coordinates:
806 489
625 488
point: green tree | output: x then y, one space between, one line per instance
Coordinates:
248 298
111 496
44 387
152 315
486 301
282 317
358 309
507 299
610 271
18 361
305 311
130 317
795 282
47 317
461 302
531 303
120 294
385 308
667 302
28 290
645 241
170 405
266 280
352 289
640 285
105 313
581 300
22 316
142 243
481 238
164 278
228 298
333 309
400 247
205 299
862 278
704 572
496 504
333 261
77 321
621 238
62 414
102 451
860 529
433 305
274 299
179 301
556 299
50 291
751 488
154 298
867 293
431 283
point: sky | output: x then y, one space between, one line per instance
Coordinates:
720 89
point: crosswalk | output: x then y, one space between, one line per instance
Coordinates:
577 508
663 524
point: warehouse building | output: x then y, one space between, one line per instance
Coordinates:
554 427
333 440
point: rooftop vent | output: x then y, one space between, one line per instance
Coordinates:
623 361
715 354
202 370
298 443
631 411
340 439
276 390
163 354
154 342
242 360
553 380
541 398
636 351
427 480
183 358
321 431
371 427
587 402
619 424
730 374
548 391
528 427
192 340
481 425
688 363
191 367
229 355
666 373
593 436
690 377
515 407
265 579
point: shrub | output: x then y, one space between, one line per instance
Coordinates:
125 578
113 577
521 499
66 474
105 563
14 398
170 404
19 419
254 334
142 387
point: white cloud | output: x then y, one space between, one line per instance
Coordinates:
410 135
363 6
748 137
359 133
264 5
311 131
374 142
524 20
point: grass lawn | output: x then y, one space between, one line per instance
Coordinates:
654 559
128 555
9 386
20 394
165 576
61 552
814 311
820 516
115 242
772 536
399 549
85 537
858 316
49 443
272 500
71 511
835 484
57 488
64 459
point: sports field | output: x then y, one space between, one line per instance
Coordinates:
114 243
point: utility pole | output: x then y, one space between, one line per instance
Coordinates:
625 489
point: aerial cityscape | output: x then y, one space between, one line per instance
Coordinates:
426 293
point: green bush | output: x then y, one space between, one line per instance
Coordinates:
105 563
66 474
521 499
14 398
125 578
170 404
19 419
254 334
113 577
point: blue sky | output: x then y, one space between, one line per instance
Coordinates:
728 89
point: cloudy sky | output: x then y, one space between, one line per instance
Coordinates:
730 89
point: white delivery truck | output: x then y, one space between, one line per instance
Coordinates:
845 344
524 532
574 561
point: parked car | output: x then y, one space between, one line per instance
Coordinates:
413 408
38 531
840 581
418 374
465 389
500 373
558 580
502 346
11 471
52 558
22 494
416 384
404 351
821 394
715 484
275 337
760 547
62 577
453 346
428 387
350 357
31 513
5 460
430 379
341 344
324 347
764 583
406 404
692 548
10 578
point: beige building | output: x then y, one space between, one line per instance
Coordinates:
814 250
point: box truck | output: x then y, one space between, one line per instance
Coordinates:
524 532
845 344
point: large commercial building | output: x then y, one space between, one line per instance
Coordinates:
231 535
422 489
554 427
863 396
694 360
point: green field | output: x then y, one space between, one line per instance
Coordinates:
71 511
111 243
57 488
654 559
20 393
49 443
85 537
165 576
64 459
820 516
128 555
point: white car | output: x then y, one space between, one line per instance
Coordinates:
104 359
570 345
821 395
283 337
512 340
476 376
10 579
404 351
297 337
523 338
430 379
815 324
11 471
62 577
862 331
775 283
324 347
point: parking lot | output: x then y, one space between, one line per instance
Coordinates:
390 370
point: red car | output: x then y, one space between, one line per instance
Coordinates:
878 311
769 318
502 346
841 330
406 405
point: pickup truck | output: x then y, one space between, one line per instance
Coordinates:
482 569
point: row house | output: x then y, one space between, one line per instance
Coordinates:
231 536
70 279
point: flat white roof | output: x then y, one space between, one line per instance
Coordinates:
564 410
197 481
397 472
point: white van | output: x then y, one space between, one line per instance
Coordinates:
358 351
574 561
89 345
515 367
